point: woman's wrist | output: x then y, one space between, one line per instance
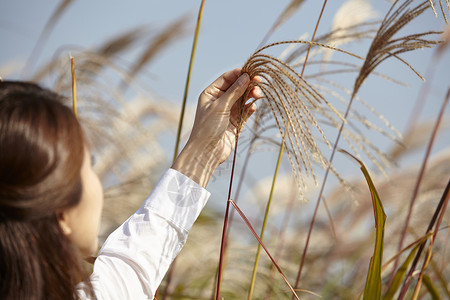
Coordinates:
198 162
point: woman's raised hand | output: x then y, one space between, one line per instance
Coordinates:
218 120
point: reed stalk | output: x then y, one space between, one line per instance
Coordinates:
294 294
263 228
74 87
225 222
180 121
188 79
414 115
415 193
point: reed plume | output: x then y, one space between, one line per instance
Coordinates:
385 45
294 104
316 85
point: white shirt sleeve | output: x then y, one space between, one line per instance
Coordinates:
137 255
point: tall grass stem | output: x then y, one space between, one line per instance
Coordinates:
416 191
182 112
294 294
225 222
74 87
303 70
263 228
188 79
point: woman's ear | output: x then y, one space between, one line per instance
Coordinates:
63 220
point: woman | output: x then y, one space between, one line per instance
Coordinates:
51 199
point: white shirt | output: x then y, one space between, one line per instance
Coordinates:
136 256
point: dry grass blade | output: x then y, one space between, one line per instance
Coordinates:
424 267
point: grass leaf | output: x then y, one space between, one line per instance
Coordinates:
431 287
400 275
440 278
373 282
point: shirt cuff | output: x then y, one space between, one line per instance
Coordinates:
177 198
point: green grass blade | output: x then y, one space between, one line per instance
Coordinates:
266 215
372 289
431 287
182 112
188 79
441 279
400 274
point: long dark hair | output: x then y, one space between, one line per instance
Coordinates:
41 154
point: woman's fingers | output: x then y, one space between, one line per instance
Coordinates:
216 89
255 93
239 116
235 91
221 98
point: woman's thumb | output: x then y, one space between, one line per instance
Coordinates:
236 90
